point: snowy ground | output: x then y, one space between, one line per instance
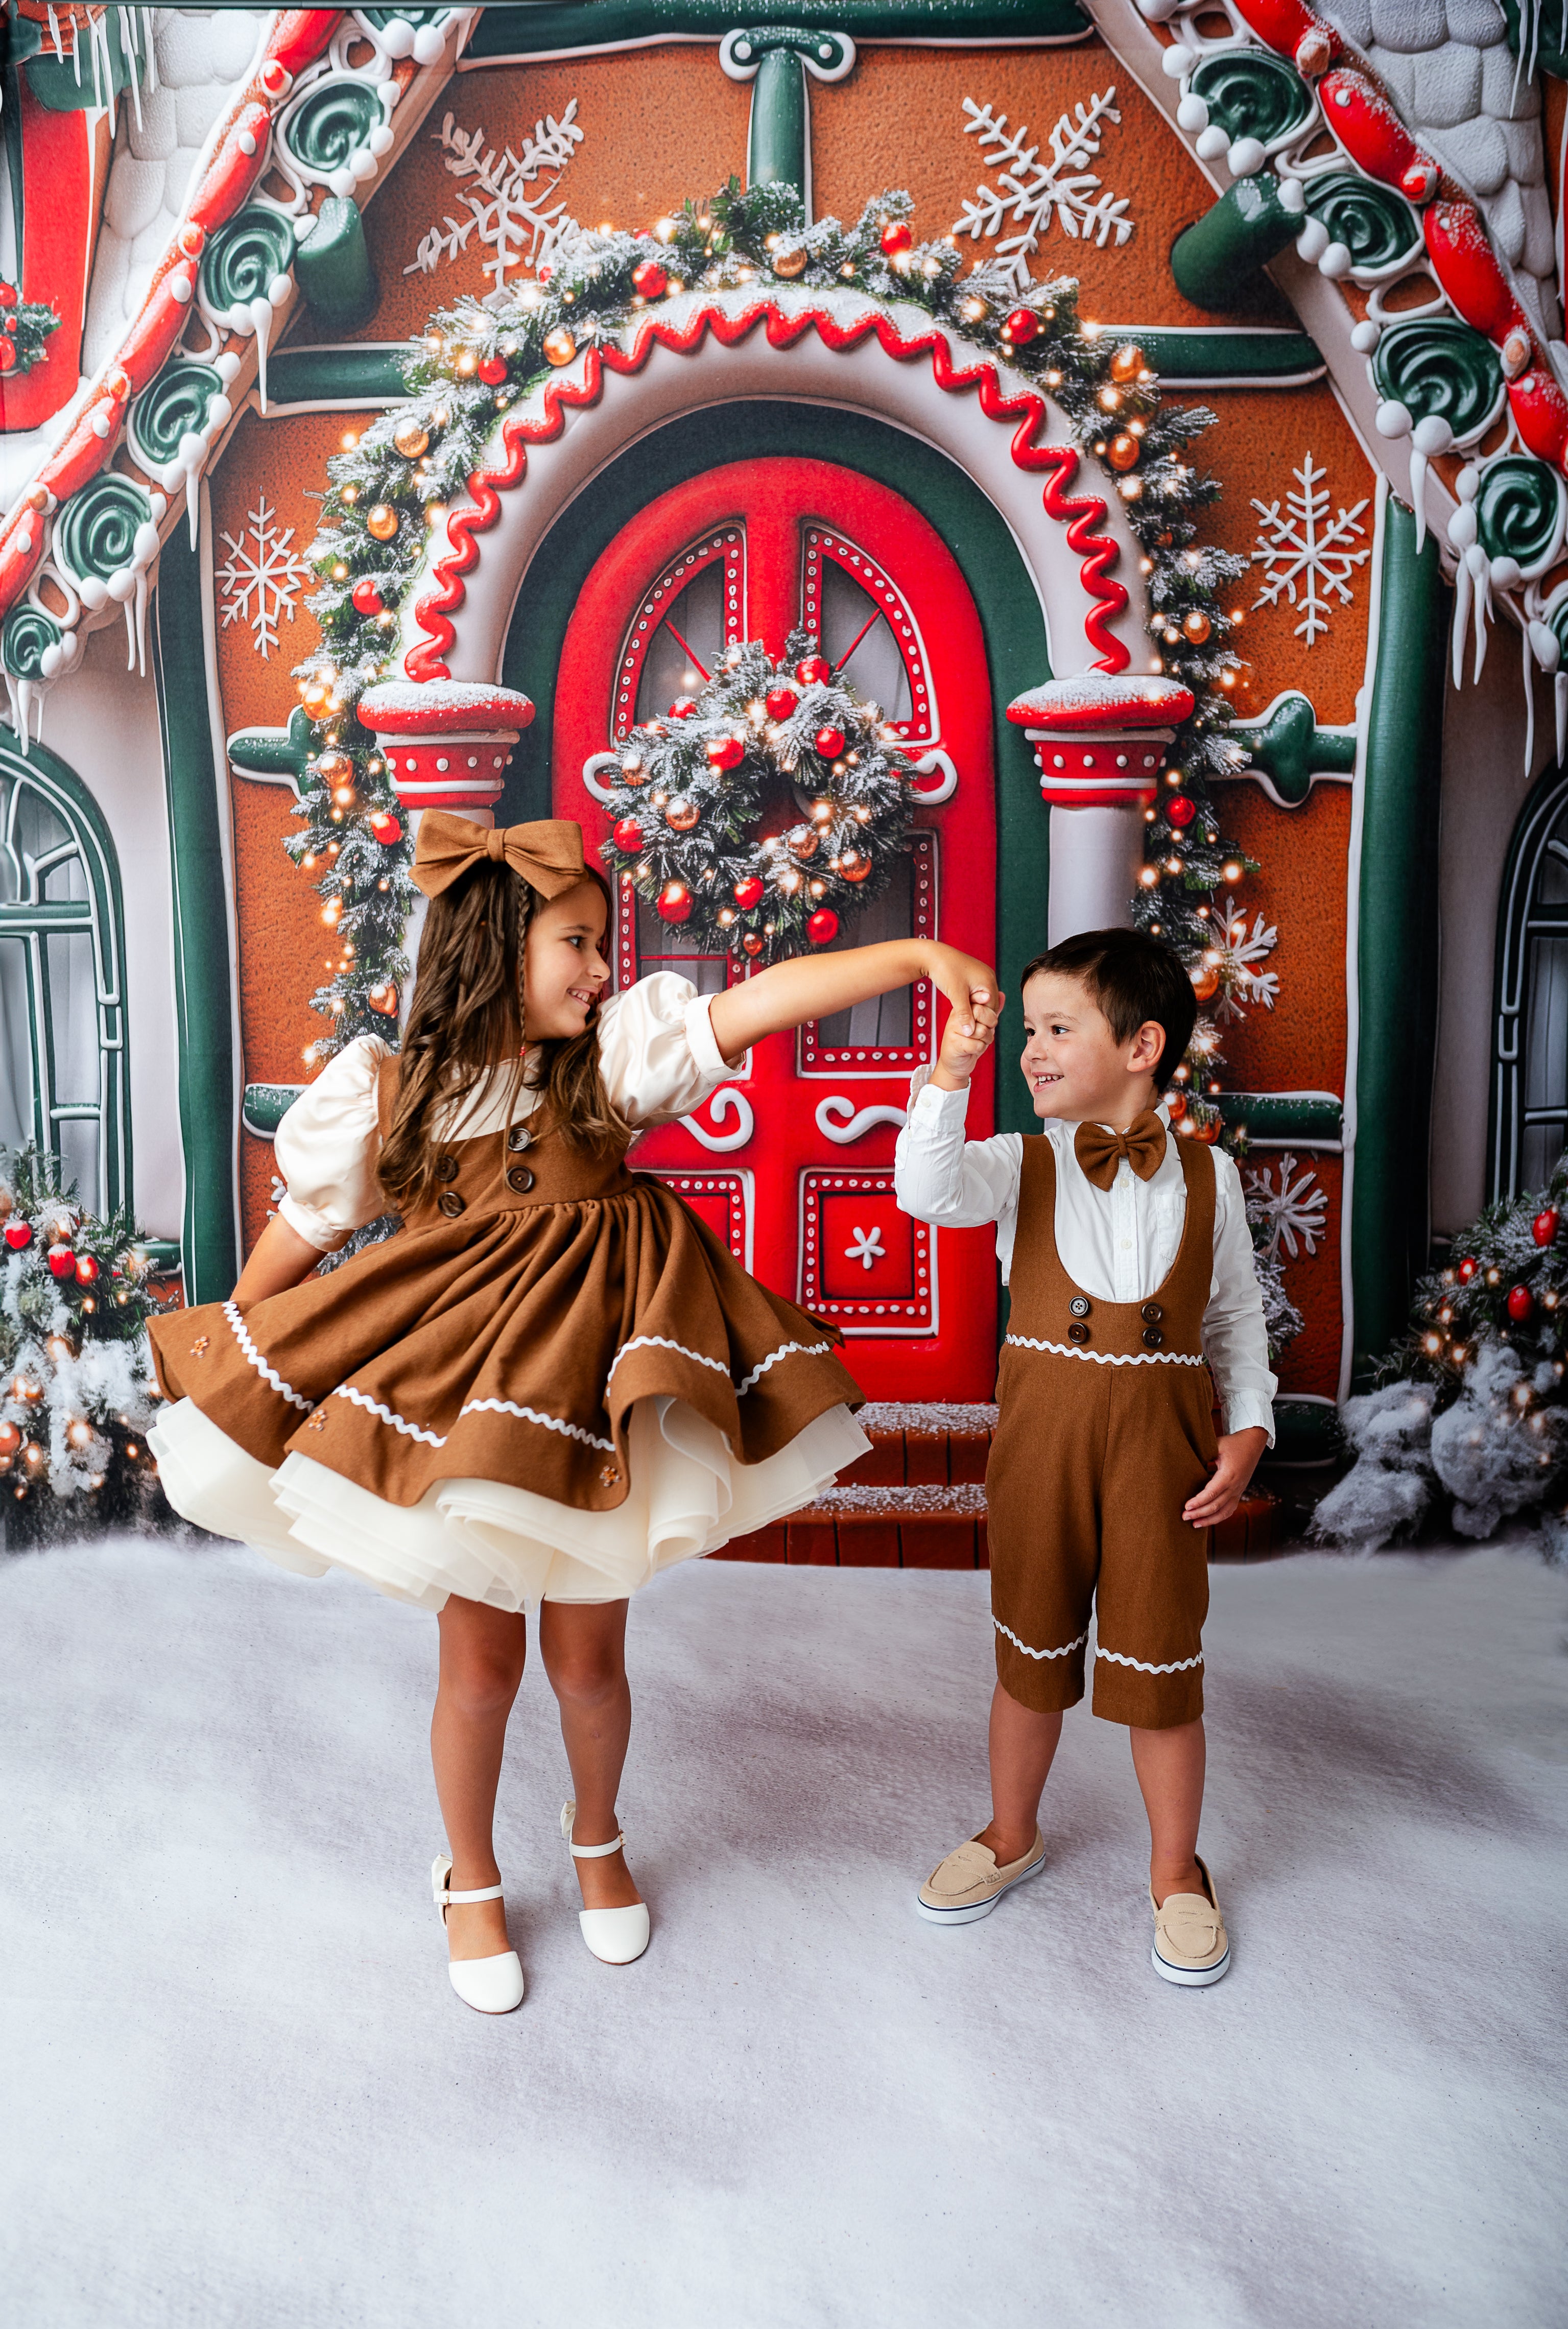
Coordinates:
240 2091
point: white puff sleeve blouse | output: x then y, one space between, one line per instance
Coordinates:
656 1049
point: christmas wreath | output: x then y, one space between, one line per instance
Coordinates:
787 745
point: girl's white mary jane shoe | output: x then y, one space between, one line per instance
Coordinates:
615 1936
489 1985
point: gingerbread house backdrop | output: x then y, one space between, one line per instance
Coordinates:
344 348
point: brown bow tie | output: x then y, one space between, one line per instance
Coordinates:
1099 1151
547 855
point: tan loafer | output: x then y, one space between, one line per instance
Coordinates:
1191 1945
969 1883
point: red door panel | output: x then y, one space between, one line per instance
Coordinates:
791 1162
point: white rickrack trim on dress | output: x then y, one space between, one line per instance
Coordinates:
1065 1652
663 1342
473 1407
268 1375
808 1350
1181 1665
1111 1358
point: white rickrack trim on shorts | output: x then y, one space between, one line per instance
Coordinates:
268 1375
1180 1666
1065 1652
1111 1358
473 1407
663 1342
808 1350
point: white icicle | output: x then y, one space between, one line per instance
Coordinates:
1529 703
261 320
141 623
1461 618
1481 567
25 705
128 42
1418 494
1560 694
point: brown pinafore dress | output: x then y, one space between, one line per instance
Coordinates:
1105 1430
506 1333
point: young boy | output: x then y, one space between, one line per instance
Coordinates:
1130 1266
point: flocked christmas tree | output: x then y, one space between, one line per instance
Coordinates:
77 1391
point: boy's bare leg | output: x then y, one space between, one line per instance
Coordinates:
1022 1746
1170 1771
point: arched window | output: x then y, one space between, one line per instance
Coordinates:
62 1033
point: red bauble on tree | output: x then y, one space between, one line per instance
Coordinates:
1544 1227
7 353
18 1236
781 702
1467 1269
897 236
822 926
675 902
7 295
650 280
1181 808
726 751
367 599
492 370
386 828
1521 1304
814 671
1021 327
61 1262
86 1269
628 835
683 707
830 742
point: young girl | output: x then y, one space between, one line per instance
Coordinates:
554 1381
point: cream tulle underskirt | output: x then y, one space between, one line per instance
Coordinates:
501 1545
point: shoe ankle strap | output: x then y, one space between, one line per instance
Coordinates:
596 1851
450 1900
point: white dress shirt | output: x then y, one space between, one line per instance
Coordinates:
1118 1244
656 1049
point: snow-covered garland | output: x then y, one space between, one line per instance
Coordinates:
77 1391
481 357
687 792
24 327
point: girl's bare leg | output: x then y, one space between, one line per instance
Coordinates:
1022 1744
584 1646
482 1654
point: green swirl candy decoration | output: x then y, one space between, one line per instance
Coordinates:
174 405
243 257
27 631
1434 365
331 125
1377 227
95 533
1520 511
1251 94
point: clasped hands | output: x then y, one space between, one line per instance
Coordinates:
971 988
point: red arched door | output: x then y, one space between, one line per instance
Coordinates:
791 1163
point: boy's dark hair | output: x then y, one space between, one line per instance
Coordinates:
1133 979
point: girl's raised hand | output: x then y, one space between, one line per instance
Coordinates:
811 986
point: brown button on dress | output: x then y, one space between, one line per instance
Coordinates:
1105 1430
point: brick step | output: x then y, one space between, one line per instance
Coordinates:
917 1500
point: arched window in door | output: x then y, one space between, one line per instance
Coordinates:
62 1035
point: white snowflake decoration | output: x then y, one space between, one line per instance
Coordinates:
867 1248
1033 192
522 228
1296 1208
261 576
1236 958
1296 548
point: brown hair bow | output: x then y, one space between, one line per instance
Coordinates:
1099 1151
547 855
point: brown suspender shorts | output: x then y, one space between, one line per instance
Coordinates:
1105 1431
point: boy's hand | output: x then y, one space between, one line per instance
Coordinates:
970 986
1238 1459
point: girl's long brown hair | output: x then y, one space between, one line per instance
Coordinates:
468 1018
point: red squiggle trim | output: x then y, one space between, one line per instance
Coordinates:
1085 513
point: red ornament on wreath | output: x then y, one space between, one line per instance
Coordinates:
1021 327
650 280
628 835
7 295
814 671
897 236
830 742
781 703
492 370
61 1262
7 353
749 893
1544 1227
822 926
86 1269
683 707
675 902
1521 1303
1467 1269
367 599
726 751
19 1236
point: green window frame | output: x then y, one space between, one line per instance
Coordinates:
31 919
1529 1112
